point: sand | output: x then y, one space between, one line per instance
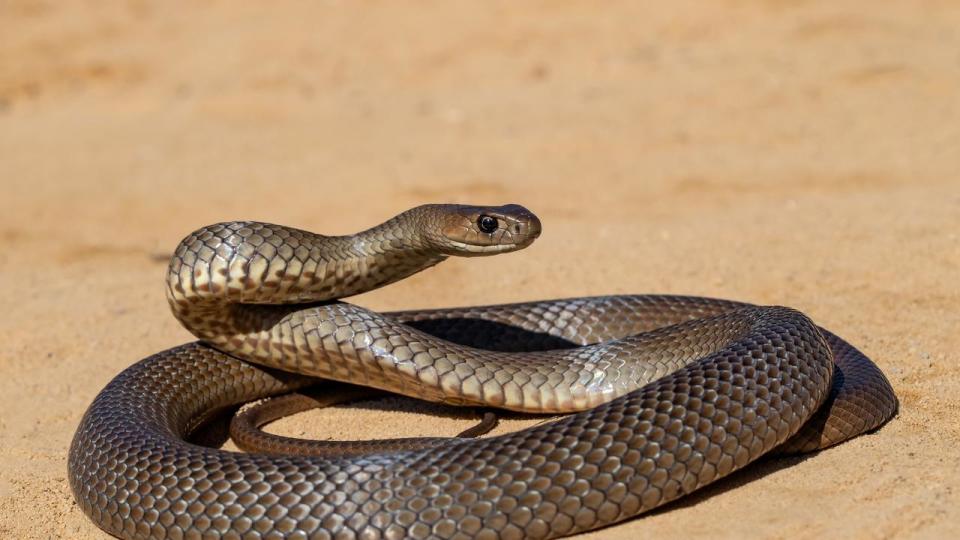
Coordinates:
794 153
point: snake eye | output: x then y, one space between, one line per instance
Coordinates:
487 224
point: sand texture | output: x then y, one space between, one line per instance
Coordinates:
802 153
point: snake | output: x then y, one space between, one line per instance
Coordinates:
660 395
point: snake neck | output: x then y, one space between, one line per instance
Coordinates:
217 271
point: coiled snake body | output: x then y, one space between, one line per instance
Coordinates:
672 393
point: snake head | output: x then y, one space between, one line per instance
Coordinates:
469 231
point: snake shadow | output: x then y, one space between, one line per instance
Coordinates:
753 472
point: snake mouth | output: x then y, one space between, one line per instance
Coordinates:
466 249
501 242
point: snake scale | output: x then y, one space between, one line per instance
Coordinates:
666 393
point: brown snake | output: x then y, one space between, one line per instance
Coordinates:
672 393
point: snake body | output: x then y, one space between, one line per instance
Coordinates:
667 393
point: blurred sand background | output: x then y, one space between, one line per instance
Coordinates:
803 153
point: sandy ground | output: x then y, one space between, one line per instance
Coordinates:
799 153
